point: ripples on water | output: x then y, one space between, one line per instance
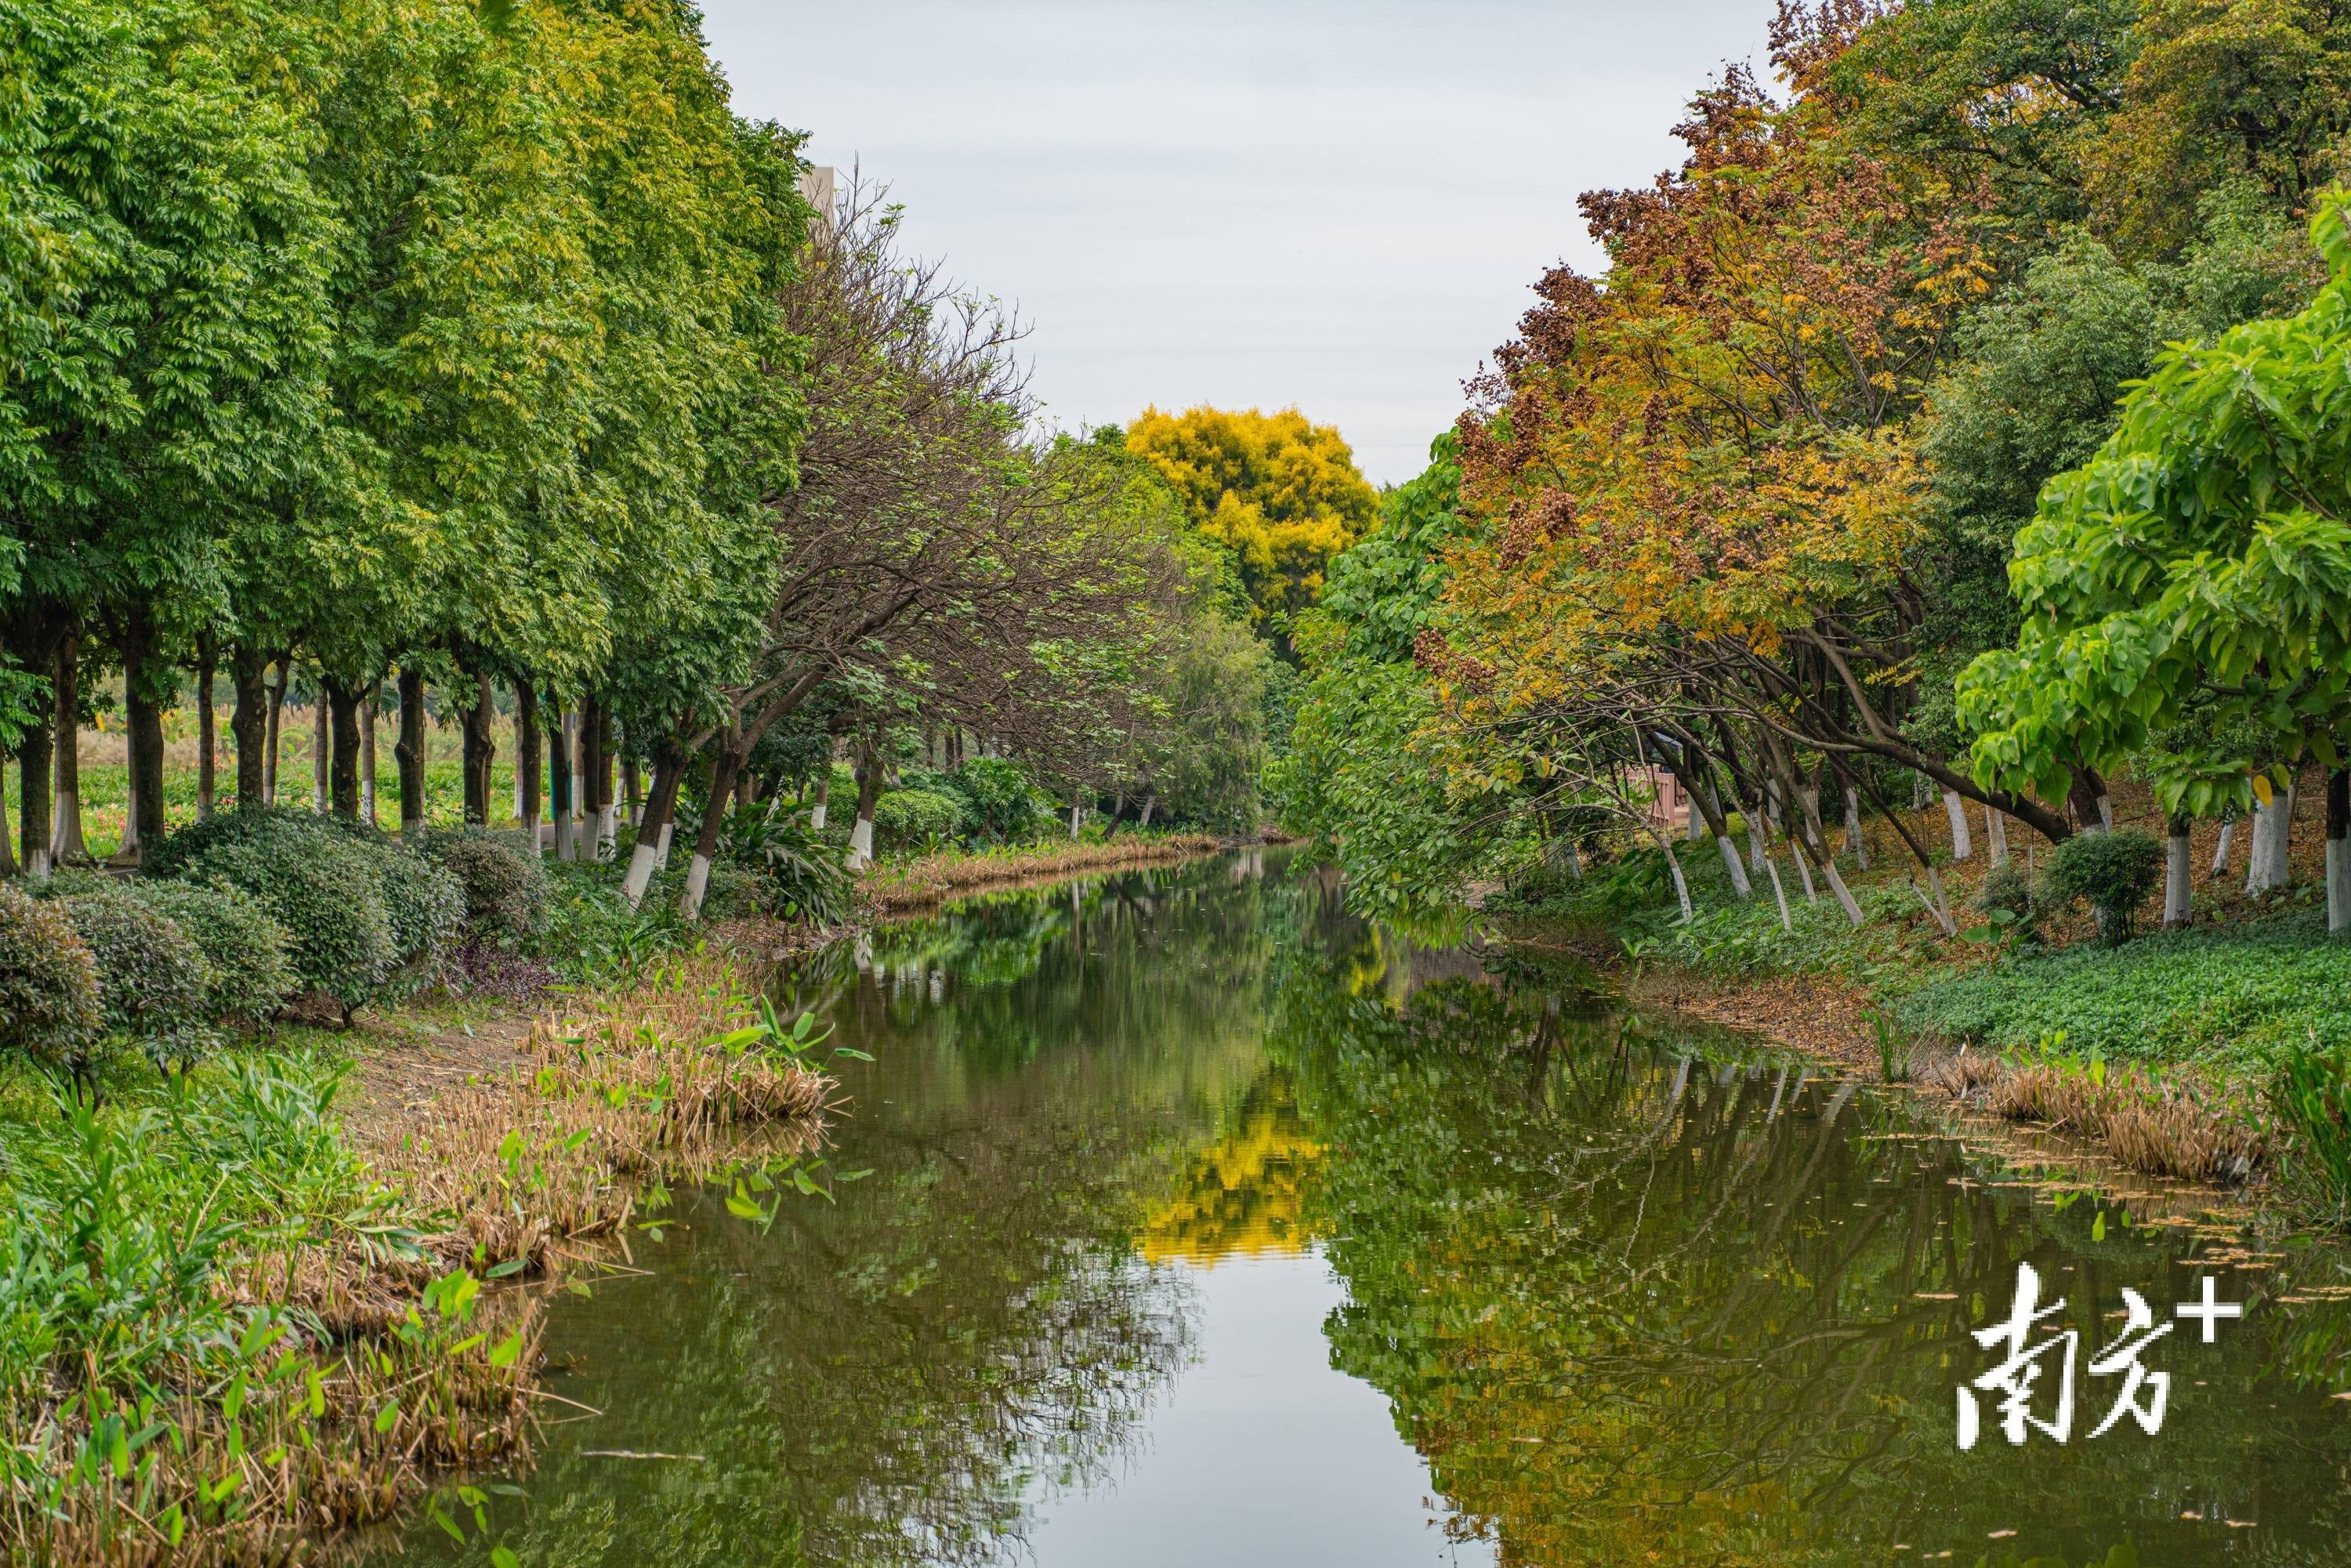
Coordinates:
1206 1224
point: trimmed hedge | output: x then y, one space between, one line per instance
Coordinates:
252 972
903 819
508 893
325 891
51 1005
152 979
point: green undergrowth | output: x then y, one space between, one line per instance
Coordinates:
1631 898
2227 996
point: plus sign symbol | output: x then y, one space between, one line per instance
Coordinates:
2208 1311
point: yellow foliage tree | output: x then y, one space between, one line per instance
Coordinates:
1281 493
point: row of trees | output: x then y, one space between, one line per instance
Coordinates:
1747 509
424 344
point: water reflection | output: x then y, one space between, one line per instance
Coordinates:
1207 1223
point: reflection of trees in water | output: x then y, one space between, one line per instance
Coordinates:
1631 1299
1244 1193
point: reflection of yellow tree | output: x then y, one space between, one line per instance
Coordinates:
1242 1193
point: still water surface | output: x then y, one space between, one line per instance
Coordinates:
1206 1224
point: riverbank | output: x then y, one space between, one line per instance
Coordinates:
2176 1052
255 1310
901 887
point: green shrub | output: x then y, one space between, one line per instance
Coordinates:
424 902
506 892
50 1002
2006 889
800 869
1003 802
252 975
326 891
178 849
906 819
152 979
2112 872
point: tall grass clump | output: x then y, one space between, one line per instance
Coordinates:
2310 1099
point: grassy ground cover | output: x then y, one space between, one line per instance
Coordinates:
228 1316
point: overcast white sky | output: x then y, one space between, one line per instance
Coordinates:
1336 206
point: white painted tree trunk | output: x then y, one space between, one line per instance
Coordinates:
64 827
1963 847
1780 892
861 843
1845 900
1575 861
367 762
1996 836
697 881
608 833
1151 802
321 743
661 851
2220 851
815 818
563 846
2338 886
2106 812
127 851
1804 869
2257 853
2268 866
1076 810
1853 834
1693 825
1738 868
1681 887
643 862
2179 876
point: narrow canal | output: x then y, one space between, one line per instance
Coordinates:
1204 1223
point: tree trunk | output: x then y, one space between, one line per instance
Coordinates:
207 733
1961 847
69 848
869 791
479 751
591 782
608 816
273 729
8 840
1853 834
248 724
558 780
823 793
341 701
2267 866
1151 801
1778 892
2178 874
142 822
529 761
1996 836
633 795
1077 805
2221 850
322 747
2338 851
367 755
653 830
724 769
409 753
35 761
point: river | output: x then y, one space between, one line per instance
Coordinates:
1195 1221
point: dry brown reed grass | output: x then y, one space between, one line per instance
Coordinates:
933 880
2171 1125
376 1389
